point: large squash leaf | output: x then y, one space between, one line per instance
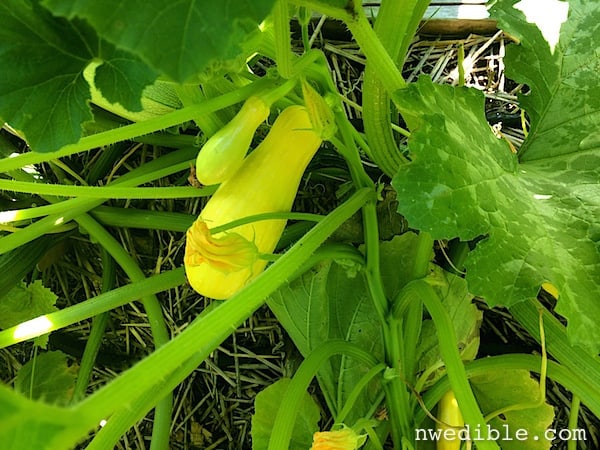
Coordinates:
179 38
558 58
43 93
323 304
540 210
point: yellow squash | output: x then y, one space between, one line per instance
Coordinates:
219 265
449 414
222 155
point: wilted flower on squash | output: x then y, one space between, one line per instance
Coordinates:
218 265
229 253
344 439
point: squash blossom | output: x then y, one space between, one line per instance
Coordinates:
218 265
344 439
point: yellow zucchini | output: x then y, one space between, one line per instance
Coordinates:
222 155
219 265
449 414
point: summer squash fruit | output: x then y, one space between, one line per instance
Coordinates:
450 416
218 265
224 152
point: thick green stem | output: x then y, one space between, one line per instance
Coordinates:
413 318
102 192
395 26
92 307
398 399
99 323
283 46
449 350
573 420
160 372
377 55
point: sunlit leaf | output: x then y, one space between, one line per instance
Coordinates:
44 94
180 38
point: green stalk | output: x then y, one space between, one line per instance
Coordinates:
573 420
18 215
286 416
99 323
137 129
102 192
413 319
143 219
395 26
92 307
283 45
164 369
304 20
376 54
455 369
397 396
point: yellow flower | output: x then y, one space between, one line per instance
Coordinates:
217 266
228 253
344 439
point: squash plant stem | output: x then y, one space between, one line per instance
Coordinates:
395 26
397 396
163 370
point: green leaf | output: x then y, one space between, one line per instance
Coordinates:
559 61
540 218
466 318
43 92
326 304
121 77
179 39
266 406
25 302
47 377
495 391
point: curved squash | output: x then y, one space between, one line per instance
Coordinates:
219 265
